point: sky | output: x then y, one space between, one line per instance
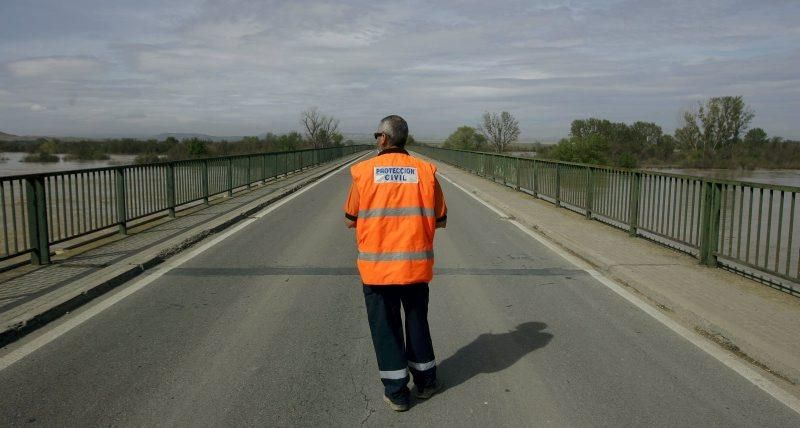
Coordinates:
245 67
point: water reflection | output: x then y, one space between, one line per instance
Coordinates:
781 177
15 166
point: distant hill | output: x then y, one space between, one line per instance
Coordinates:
11 137
183 136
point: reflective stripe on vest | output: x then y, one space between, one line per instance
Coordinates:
397 212
392 256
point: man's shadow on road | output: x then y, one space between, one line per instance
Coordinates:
491 353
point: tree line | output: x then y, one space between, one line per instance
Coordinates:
713 134
320 131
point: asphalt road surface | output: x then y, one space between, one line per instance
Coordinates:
269 328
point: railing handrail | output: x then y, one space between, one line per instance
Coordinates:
623 169
748 227
42 209
161 163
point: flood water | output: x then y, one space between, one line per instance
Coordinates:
781 177
14 166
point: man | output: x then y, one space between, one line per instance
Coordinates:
395 204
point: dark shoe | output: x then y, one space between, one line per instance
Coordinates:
397 406
428 391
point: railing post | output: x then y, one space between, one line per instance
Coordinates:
589 192
709 232
205 181
122 207
249 159
558 184
39 241
171 189
535 179
301 161
633 203
517 164
230 177
501 165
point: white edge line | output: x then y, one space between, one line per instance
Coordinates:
486 204
726 358
157 272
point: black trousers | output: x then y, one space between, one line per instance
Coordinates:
393 352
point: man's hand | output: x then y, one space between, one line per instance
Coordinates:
441 224
351 224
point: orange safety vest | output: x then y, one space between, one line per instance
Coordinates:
396 218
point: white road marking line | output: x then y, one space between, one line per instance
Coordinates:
486 204
726 358
147 279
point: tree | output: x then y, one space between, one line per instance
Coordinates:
321 130
622 144
499 129
665 147
45 152
719 122
646 134
756 136
689 136
582 128
465 138
48 147
196 147
592 149
336 139
286 142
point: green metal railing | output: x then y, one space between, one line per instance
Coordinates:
750 228
40 210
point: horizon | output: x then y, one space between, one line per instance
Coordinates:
90 69
352 136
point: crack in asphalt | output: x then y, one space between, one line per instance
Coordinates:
367 408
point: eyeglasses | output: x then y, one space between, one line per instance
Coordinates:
378 134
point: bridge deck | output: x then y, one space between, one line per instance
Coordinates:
268 328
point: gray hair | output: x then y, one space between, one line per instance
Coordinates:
396 128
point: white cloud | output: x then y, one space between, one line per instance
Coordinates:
182 61
38 107
337 40
55 66
225 30
445 68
